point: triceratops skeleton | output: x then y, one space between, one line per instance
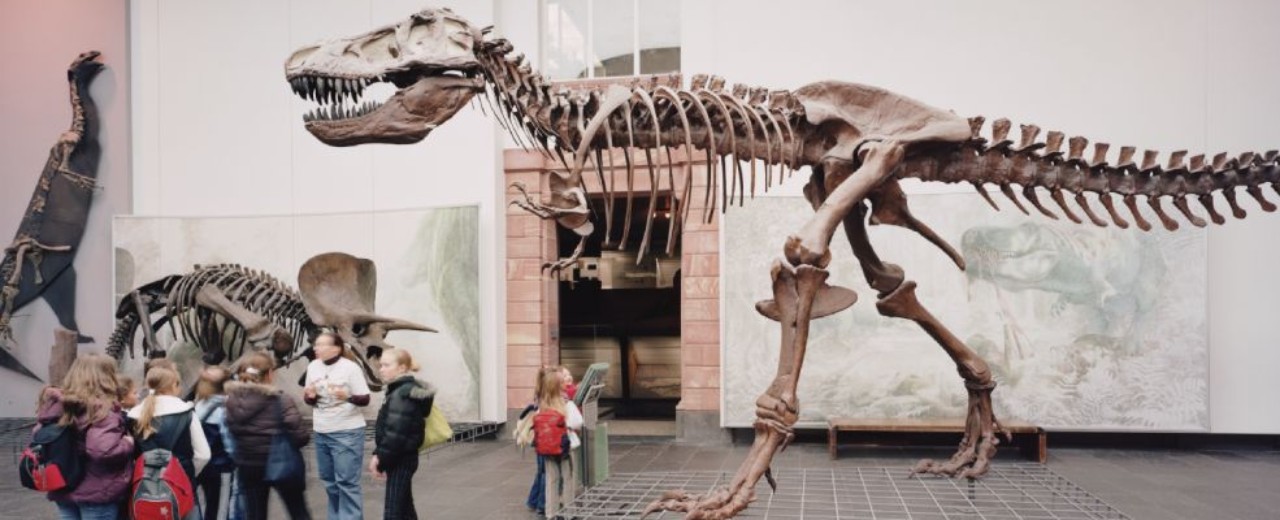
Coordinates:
858 142
227 308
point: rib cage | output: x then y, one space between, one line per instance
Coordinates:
739 130
252 289
744 130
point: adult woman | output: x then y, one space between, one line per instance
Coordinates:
256 411
336 389
399 431
87 401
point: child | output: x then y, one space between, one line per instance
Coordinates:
164 421
87 400
216 479
256 411
524 431
126 392
399 431
560 481
570 388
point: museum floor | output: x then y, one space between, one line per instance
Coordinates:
488 479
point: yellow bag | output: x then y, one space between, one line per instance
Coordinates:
437 431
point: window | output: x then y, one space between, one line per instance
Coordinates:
605 38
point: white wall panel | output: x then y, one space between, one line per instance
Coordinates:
224 134
1242 108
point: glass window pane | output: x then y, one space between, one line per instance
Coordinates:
614 44
659 36
565 39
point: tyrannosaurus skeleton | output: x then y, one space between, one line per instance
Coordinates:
227 308
858 142
38 261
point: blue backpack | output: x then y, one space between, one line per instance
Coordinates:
220 459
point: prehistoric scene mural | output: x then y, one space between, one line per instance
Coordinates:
1084 327
424 264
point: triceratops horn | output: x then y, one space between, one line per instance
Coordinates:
392 323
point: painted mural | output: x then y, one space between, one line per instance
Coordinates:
1085 328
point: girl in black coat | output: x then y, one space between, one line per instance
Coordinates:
399 431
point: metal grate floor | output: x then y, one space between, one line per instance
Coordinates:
1009 492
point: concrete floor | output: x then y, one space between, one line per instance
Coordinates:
489 479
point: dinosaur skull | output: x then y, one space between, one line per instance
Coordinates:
429 58
338 291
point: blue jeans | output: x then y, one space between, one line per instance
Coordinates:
339 458
74 511
538 491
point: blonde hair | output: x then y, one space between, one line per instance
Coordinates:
159 379
403 358
549 391
212 380
89 389
158 363
255 367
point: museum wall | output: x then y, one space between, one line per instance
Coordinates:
218 132
41 39
1189 74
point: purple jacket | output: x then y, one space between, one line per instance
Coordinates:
109 450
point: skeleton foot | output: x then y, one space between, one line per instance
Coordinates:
717 504
973 458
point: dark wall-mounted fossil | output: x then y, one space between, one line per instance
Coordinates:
37 264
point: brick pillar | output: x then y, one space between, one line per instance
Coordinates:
532 309
532 297
700 306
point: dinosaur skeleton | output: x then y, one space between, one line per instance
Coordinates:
857 141
37 264
227 308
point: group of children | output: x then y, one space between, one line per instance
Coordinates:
551 423
227 443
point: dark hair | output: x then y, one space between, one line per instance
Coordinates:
212 380
255 367
333 336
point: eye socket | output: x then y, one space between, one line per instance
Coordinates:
380 47
359 329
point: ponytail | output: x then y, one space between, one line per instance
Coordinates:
158 379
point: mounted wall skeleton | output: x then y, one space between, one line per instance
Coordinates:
857 141
227 308
37 264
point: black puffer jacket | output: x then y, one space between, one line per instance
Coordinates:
253 417
401 420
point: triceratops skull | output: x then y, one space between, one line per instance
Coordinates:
430 58
338 291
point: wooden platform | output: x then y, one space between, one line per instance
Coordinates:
1031 440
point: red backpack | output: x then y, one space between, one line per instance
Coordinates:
53 460
161 489
550 435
